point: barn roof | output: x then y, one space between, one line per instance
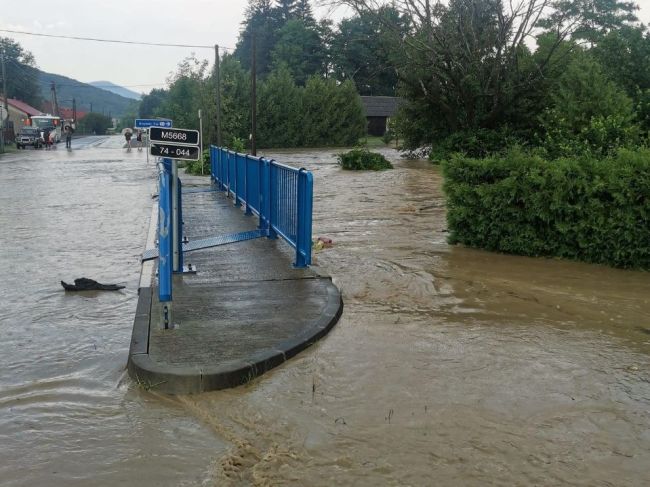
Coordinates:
380 106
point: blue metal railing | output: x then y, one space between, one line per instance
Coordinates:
281 196
165 232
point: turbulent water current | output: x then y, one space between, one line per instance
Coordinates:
449 366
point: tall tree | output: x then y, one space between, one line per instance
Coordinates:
461 65
590 20
300 49
364 48
287 9
235 100
150 103
624 54
279 111
263 21
22 75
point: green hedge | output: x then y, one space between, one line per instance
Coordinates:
591 210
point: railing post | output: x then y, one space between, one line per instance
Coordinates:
219 169
246 186
165 248
273 182
304 224
228 154
176 242
211 152
179 227
237 188
262 197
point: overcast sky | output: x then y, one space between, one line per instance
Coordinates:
141 68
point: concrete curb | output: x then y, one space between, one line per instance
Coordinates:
192 379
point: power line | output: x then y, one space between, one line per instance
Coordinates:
45 79
115 41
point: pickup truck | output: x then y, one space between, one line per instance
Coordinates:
28 136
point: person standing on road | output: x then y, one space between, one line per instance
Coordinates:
46 138
138 138
127 136
68 137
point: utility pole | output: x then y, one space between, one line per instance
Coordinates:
55 102
253 100
6 104
91 107
217 75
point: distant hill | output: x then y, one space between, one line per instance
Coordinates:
102 101
120 90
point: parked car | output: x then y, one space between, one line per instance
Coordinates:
29 136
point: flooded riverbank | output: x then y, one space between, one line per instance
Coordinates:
449 366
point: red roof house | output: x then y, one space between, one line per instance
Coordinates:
19 111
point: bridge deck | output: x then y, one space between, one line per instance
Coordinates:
245 311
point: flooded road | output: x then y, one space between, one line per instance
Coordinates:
450 366
68 414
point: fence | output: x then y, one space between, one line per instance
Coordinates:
281 196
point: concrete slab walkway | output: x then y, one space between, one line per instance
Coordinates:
245 311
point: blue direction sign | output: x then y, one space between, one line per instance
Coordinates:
143 123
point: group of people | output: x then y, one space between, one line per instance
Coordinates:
128 135
49 137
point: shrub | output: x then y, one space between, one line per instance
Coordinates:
238 145
589 209
363 159
472 143
200 167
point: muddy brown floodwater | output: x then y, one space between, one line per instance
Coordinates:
449 366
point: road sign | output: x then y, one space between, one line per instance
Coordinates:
174 136
175 151
143 123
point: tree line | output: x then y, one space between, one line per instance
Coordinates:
310 74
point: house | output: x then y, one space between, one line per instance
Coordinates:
68 114
19 111
378 110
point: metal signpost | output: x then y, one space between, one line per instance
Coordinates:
170 144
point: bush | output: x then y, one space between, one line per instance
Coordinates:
200 167
363 159
472 143
594 210
238 145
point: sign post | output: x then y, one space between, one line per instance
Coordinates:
175 144
145 123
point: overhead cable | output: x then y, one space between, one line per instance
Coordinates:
115 41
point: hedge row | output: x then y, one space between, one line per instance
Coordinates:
591 210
